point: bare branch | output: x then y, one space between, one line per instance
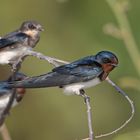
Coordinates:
16 67
56 63
9 104
89 114
91 134
51 60
132 109
4 133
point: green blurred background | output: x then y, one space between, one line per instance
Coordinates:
73 29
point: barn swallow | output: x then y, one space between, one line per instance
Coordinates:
5 93
74 77
16 44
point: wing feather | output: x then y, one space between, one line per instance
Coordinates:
14 38
85 67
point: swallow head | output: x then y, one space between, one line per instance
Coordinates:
107 60
31 28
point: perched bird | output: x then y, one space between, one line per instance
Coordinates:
15 45
5 93
74 77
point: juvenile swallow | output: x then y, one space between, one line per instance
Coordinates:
5 93
74 77
16 44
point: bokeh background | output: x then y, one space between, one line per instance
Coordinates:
73 29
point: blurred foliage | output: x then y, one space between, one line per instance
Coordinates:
73 29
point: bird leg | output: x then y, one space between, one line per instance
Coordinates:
86 97
16 66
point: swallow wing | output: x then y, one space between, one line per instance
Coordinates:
47 80
59 77
12 39
86 68
78 71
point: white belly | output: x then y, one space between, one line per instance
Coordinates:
8 55
74 88
4 101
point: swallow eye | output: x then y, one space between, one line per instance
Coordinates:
106 60
31 26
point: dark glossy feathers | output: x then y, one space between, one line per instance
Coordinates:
12 39
78 71
84 67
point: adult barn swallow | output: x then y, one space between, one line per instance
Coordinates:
74 77
5 93
16 44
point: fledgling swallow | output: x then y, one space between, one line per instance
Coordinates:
5 93
16 44
74 77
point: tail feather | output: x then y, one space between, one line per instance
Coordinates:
33 82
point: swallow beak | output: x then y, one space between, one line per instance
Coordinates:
115 65
40 28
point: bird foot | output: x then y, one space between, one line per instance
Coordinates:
17 64
16 67
86 97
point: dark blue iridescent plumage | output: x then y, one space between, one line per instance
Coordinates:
80 71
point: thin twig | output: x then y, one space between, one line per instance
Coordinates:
15 69
54 61
5 133
132 109
57 63
91 135
89 114
9 104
